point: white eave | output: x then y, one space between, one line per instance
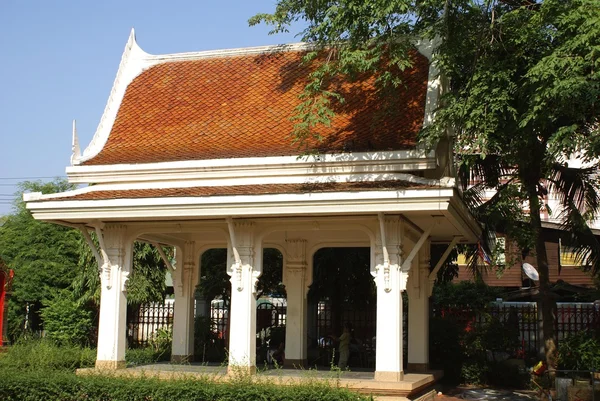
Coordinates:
412 202
245 205
284 166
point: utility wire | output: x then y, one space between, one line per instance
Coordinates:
32 178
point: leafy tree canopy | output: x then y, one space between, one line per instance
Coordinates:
43 256
147 282
521 81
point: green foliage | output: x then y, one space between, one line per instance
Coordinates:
465 294
352 37
466 348
65 320
214 281
468 353
445 350
161 340
145 356
146 283
44 354
522 82
43 256
580 351
43 385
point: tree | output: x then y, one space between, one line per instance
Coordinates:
147 282
43 256
55 269
522 85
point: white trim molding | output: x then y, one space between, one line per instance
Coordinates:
279 166
181 208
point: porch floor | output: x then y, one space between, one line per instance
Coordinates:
414 386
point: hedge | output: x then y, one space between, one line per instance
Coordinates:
65 386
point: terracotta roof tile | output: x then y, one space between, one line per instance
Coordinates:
240 106
244 190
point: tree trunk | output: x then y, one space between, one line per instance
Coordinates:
547 302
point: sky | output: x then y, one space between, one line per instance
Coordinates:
59 59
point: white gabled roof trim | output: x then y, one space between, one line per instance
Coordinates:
135 61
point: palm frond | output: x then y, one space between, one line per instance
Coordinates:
580 238
474 264
474 196
490 170
576 187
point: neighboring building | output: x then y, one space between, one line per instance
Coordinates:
194 151
507 270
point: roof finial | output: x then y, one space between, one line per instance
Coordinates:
131 40
76 151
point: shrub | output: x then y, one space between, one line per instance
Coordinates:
161 340
45 354
145 356
65 321
445 348
465 294
580 351
65 386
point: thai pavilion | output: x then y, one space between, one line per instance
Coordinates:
194 151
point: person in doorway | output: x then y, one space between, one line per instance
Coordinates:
344 346
278 356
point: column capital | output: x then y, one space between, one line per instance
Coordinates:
242 253
295 254
189 248
112 239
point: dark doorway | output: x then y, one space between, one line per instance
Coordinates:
343 291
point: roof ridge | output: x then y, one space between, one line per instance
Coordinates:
237 51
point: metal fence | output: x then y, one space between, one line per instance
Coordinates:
219 319
571 318
363 322
144 321
271 318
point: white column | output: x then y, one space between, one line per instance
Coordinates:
244 275
390 281
419 291
112 340
294 279
183 319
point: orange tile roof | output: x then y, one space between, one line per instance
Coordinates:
268 189
240 106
